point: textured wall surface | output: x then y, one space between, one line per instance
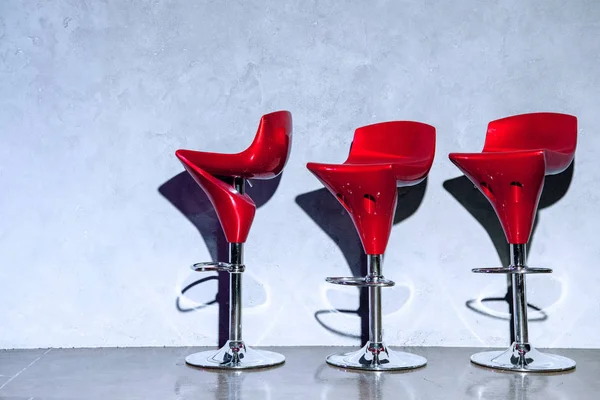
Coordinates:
97 227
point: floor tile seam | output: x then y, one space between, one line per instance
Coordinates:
12 378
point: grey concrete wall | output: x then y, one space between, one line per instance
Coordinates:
95 96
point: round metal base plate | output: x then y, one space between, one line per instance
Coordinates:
375 357
235 355
529 360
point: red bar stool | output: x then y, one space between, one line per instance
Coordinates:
264 159
382 157
519 151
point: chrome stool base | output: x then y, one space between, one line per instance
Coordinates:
235 355
523 358
376 357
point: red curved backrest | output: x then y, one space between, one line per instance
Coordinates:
552 132
271 146
405 139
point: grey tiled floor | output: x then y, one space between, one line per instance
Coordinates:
161 373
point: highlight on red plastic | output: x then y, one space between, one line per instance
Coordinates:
382 157
265 158
518 152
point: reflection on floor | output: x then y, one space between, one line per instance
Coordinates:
161 373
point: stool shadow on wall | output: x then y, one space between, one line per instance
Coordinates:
185 195
463 190
326 211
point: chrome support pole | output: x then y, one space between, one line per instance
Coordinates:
375 321
236 257
517 258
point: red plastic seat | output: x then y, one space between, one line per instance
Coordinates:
518 152
263 159
382 157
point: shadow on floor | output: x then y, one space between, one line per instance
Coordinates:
463 190
325 210
185 195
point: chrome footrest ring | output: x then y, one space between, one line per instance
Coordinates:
512 270
218 266
360 281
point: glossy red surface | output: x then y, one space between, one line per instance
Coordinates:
235 211
518 152
264 159
382 157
